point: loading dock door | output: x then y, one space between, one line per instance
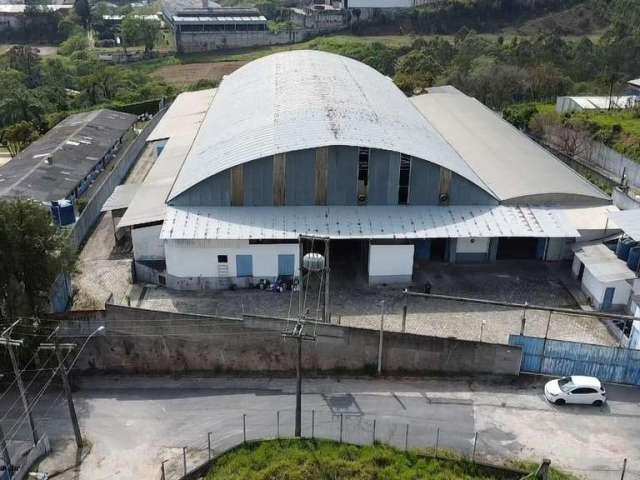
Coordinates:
518 248
286 265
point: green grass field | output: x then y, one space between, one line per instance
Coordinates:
325 460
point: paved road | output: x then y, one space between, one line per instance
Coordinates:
135 422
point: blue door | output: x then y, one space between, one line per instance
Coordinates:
286 265
244 265
608 298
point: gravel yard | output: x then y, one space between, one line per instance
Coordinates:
359 305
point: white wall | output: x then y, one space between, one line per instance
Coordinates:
390 260
147 244
559 249
472 245
199 258
596 289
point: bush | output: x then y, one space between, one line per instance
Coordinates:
75 43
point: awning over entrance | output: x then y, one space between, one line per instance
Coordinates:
374 222
121 197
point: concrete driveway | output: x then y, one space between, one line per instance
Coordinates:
136 422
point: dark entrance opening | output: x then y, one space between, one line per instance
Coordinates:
439 249
349 261
515 248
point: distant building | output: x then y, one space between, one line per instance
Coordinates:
312 143
11 15
319 17
62 164
579 104
202 26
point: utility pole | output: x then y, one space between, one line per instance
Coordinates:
5 453
65 384
299 336
10 343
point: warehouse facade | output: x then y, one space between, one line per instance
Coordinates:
311 143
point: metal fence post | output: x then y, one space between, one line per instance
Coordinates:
244 428
381 338
313 423
404 311
406 438
374 430
162 469
278 424
184 459
624 469
341 417
209 444
475 442
437 440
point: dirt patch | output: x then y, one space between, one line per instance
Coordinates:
182 75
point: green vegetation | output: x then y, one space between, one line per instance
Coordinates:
32 253
319 459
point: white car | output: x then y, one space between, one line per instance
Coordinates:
575 389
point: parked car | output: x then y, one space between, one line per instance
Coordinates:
575 389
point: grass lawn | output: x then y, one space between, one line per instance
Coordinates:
324 460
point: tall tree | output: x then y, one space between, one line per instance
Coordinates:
32 254
18 136
149 31
83 10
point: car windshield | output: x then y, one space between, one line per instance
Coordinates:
565 384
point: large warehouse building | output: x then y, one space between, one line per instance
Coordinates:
312 143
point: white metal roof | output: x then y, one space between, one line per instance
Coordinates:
181 127
20 8
306 99
628 221
603 264
597 103
121 197
512 165
184 115
398 222
635 83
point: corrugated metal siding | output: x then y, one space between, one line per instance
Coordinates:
343 176
258 183
423 183
463 192
300 177
384 176
557 357
213 192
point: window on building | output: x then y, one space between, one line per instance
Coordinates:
405 171
244 265
223 259
363 175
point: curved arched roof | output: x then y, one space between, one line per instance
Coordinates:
307 99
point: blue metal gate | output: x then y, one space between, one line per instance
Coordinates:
558 357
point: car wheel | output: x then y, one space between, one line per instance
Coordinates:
560 401
598 403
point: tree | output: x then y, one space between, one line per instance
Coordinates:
19 136
75 43
83 10
32 254
129 31
149 31
25 59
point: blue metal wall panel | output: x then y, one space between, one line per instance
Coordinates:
300 175
384 177
244 265
464 192
286 265
342 181
215 191
560 358
424 183
258 182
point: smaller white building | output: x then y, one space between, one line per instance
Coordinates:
579 104
603 276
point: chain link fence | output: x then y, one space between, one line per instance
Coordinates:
194 459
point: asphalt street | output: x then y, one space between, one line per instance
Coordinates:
134 423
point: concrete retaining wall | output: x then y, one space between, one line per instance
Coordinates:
191 42
146 341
